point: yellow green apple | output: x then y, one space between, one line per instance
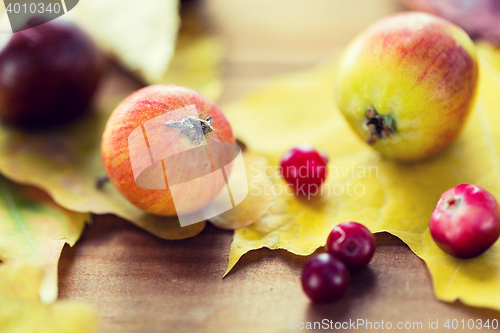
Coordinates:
407 84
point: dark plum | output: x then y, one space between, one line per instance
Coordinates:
48 75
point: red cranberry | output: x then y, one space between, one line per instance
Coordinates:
352 243
304 169
325 278
466 221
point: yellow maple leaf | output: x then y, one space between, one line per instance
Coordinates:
258 198
33 227
383 195
21 310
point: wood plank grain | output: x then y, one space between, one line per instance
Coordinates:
140 283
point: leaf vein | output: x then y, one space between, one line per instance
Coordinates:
15 214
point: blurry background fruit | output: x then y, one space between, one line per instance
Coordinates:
480 18
48 75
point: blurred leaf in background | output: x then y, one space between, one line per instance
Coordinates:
197 52
21 310
154 41
141 35
33 228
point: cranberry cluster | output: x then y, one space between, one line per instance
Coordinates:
350 247
465 223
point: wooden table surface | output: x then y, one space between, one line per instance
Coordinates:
139 283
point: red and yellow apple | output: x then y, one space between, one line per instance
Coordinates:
407 84
149 143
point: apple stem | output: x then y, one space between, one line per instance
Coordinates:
379 125
189 125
